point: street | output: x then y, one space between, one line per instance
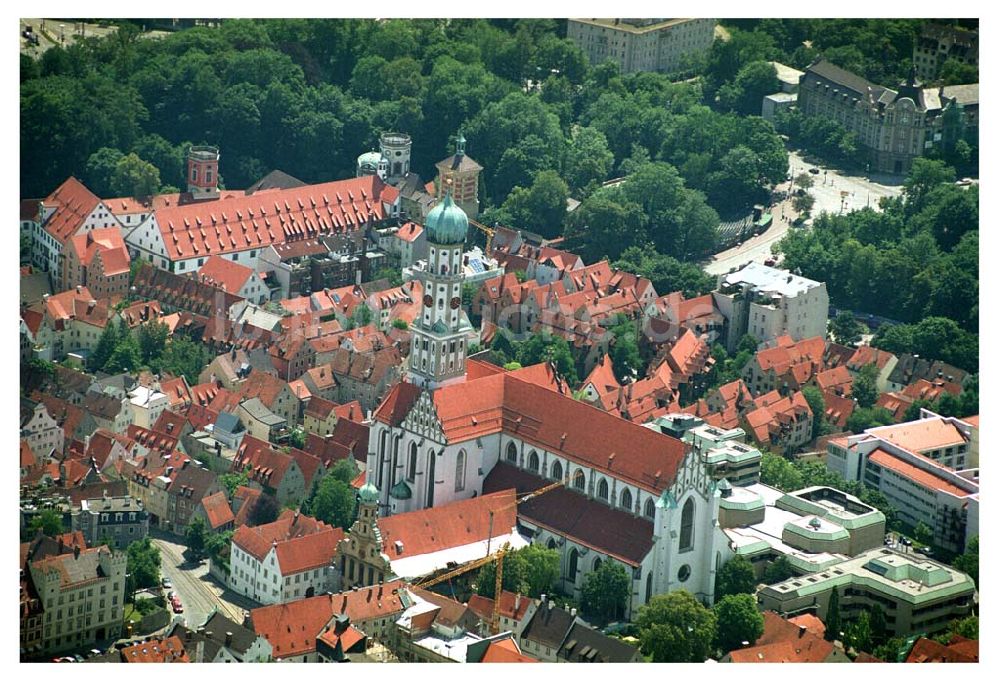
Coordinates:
827 188
198 591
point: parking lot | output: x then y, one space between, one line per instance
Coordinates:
839 193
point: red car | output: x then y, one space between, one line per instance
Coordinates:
177 607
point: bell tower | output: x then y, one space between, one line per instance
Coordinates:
438 353
203 172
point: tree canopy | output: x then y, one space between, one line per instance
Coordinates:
676 628
735 577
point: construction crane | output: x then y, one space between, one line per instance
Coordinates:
496 556
488 231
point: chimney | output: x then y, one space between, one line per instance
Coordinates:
76 551
229 639
802 631
543 598
78 288
572 612
517 602
551 605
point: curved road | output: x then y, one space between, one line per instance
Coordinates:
833 192
199 592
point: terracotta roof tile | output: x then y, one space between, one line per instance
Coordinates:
928 651
224 274
921 435
217 510
919 476
169 650
73 203
452 525
292 628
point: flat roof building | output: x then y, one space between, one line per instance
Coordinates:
767 303
916 594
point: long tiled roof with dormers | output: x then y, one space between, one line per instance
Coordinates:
255 221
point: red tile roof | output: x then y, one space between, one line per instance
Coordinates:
919 476
255 221
224 274
169 650
555 422
602 377
301 542
959 650
838 409
452 525
483 606
505 651
217 510
409 231
292 628
784 642
244 501
866 355
73 203
838 380
922 389
108 241
309 552
921 435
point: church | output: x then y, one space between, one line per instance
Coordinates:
457 429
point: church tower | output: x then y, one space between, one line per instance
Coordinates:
362 561
438 354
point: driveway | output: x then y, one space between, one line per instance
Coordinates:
199 592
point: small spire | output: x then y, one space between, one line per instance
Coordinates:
460 144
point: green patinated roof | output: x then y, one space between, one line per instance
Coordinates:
368 493
446 223
401 491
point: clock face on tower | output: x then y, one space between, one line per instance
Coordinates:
455 302
428 300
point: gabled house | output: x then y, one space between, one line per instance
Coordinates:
284 561
227 275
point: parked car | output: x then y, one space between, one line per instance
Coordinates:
926 551
906 541
177 608
814 171
166 584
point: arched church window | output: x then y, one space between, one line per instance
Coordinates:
597 563
687 526
650 510
574 558
533 462
627 499
602 490
649 586
579 480
557 472
511 453
411 468
460 471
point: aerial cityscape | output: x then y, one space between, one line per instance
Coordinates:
499 340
